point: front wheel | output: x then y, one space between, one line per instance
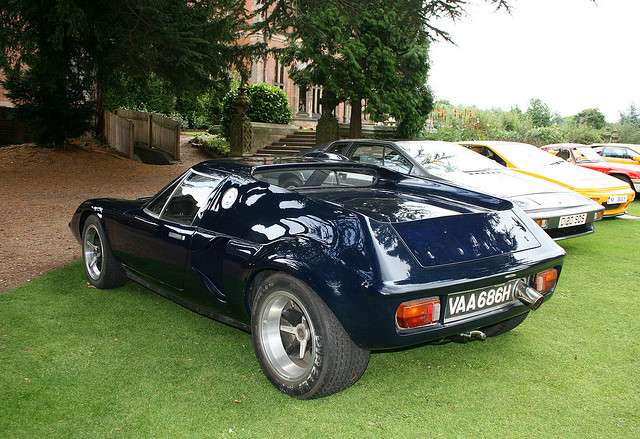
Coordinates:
102 269
301 346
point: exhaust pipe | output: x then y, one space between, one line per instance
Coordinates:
464 337
473 335
527 295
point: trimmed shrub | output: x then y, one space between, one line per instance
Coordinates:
268 104
214 144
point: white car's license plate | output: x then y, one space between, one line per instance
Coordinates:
469 303
572 220
617 199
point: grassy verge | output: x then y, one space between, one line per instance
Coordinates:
80 362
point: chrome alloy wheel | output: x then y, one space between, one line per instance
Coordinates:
93 252
287 336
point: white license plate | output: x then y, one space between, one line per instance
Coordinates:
617 199
470 303
572 220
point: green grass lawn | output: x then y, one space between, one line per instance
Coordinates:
76 362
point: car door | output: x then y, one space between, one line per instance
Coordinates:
154 241
381 154
631 155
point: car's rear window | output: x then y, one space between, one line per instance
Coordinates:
307 178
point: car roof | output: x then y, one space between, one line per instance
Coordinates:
245 166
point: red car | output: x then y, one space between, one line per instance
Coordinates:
585 156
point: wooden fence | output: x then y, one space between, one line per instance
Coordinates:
119 133
150 130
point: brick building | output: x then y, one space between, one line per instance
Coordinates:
4 101
10 131
305 103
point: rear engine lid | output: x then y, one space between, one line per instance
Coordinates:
441 230
465 237
391 208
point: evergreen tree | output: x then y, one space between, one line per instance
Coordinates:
365 57
592 117
59 55
631 117
539 114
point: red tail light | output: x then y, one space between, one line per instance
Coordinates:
546 280
418 313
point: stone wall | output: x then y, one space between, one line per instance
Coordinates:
266 133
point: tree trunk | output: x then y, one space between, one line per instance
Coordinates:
355 124
99 110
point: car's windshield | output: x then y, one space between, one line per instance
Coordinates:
442 159
585 154
526 156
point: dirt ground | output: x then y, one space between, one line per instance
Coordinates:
40 190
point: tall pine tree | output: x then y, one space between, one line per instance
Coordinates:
364 57
58 55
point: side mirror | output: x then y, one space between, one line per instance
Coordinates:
636 158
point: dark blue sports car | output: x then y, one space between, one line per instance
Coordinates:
324 262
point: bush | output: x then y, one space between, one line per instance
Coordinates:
545 135
214 144
152 95
192 109
508 136
190 120
584 135
53 109
268 104
456 132
453 125
627 133
513 120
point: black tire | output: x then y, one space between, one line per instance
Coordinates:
506 326
289 319
101 267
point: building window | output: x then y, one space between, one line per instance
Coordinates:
302 101
315 103
279 75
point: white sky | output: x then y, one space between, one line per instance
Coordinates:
571 54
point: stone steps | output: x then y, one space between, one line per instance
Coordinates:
290 145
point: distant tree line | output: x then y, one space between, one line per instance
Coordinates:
536 125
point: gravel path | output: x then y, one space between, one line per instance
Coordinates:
40 190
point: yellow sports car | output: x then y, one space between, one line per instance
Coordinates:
618 152
610 192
